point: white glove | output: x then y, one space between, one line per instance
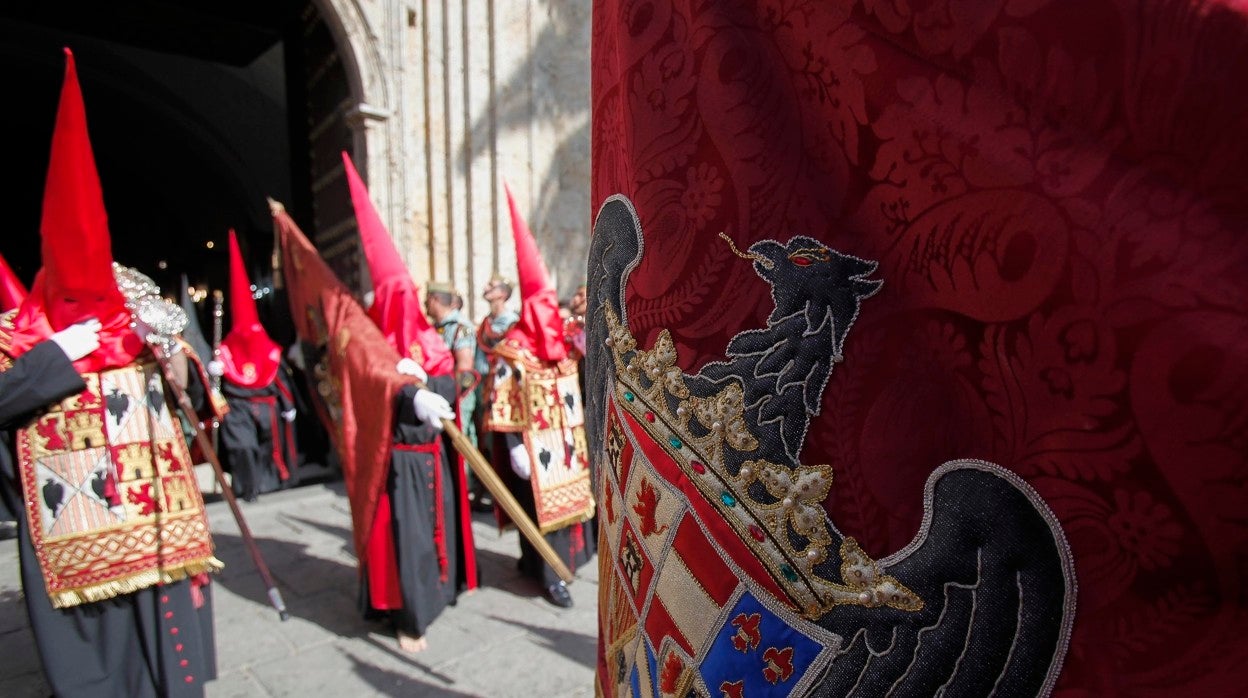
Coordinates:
409 367
520 463
215 368
432 408
289 415
79 339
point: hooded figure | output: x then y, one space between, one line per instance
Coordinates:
136 620
396 309
539 444
420 547
76 281
258 433
12 292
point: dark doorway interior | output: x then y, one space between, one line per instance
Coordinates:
197 111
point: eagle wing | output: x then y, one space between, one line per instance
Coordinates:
997 581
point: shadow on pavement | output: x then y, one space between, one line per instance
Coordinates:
299 576
392 683
340 532
579 647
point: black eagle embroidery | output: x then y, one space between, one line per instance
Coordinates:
98 484
785 366
155 398
117 404
53 496
990 562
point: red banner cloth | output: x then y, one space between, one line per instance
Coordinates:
1056 195
362 384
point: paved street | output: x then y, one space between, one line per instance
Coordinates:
503 640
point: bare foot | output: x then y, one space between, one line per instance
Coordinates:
412 643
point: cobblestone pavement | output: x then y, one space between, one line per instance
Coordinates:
503 640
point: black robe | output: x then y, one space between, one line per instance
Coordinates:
574 544
256 443
153 642
422 464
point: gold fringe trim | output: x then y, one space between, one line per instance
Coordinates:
135 582
568 520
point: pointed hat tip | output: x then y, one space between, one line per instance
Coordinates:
353 175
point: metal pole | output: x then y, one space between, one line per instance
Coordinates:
218 300
184 404
217 312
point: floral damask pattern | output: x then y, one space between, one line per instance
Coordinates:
1057 196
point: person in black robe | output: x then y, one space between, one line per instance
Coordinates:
533 391
257 436
12 291
258 433
112 635
422 487
158 641
572 543
420 550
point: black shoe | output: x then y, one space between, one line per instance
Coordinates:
557 594
8 530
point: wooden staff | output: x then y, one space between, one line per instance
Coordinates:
485 473
205 445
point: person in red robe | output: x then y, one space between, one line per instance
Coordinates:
420 551
955 405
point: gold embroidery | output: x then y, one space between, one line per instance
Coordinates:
85 430
788 530
507 409
135 460
659 365
91 546
799 497
542 401
49 434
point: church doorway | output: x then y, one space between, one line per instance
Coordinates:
197 112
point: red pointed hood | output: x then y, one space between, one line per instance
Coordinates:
396 304
12 291
76 281
540 329
251 358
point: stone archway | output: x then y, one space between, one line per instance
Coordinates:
370 116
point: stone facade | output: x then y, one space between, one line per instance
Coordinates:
452 98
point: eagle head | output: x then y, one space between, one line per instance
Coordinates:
805 274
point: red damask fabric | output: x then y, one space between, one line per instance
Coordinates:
1057 195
